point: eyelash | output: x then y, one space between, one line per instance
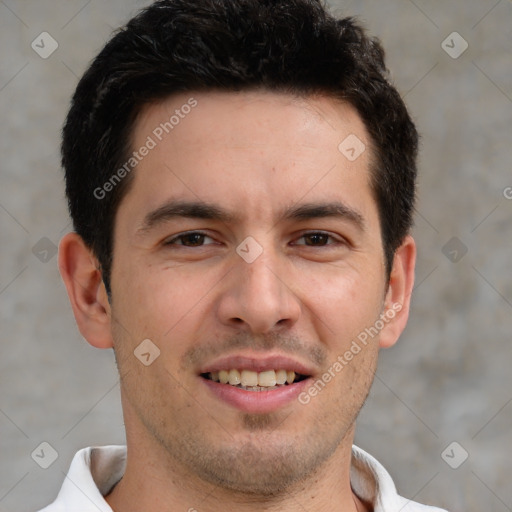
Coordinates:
335 240
181 236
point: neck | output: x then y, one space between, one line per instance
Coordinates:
153 481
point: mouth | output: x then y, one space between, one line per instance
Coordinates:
250 380
253 384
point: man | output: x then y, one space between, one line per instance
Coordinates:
241 177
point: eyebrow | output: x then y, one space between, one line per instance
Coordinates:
322 210
188 209
210 211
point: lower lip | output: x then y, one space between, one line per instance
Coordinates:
258 402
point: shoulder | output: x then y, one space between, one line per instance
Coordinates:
411 506
93 472
374 484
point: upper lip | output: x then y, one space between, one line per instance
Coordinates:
257 364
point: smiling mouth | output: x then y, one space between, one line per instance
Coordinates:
255 381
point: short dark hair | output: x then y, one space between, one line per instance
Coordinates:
173 46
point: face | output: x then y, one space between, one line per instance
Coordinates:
247 248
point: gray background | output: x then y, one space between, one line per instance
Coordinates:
449 377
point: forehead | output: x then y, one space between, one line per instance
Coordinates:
252 151
228 118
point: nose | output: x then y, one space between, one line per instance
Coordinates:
258 296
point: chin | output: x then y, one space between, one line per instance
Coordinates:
265 466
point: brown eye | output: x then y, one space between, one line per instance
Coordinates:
316 239
192 239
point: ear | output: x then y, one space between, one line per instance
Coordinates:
80 272
398 295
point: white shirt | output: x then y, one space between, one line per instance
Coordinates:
95 471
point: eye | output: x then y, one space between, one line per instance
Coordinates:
190 239
317 239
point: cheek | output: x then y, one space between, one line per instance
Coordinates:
343 303
162 304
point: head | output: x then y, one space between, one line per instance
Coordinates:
220 213
291 46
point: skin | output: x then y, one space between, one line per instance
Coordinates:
254 154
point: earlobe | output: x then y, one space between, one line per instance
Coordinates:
398 296
79 270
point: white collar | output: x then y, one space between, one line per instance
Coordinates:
94 471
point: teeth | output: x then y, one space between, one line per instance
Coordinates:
234 377
249 378
267 379
252 379
281 376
